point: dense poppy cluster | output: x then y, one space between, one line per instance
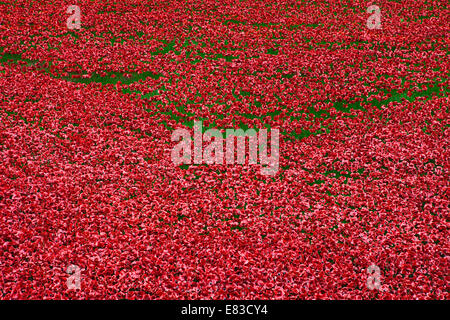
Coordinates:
86 177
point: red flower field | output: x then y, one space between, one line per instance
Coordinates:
86 177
